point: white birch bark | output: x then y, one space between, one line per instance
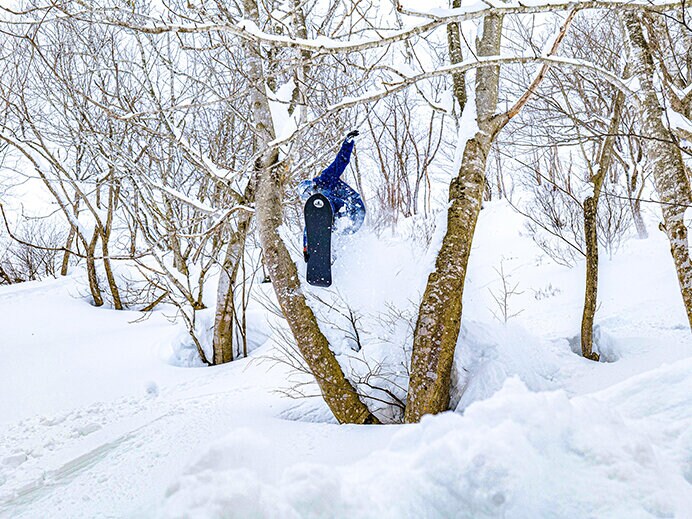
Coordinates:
670 177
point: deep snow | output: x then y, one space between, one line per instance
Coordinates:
96 420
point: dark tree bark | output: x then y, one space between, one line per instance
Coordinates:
591 231
339 394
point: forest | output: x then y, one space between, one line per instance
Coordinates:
523 271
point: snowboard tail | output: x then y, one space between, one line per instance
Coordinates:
318 230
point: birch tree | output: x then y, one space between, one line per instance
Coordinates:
364 52
668 168
338 392
439 315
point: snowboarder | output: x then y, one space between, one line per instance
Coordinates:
331 205
347 205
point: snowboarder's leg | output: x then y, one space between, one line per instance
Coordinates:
349 208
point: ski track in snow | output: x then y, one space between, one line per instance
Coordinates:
69 448
95 422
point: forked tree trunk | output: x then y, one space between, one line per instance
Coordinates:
670 177
439 314
225 318
339 394
105 231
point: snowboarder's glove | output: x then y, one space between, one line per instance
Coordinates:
352 134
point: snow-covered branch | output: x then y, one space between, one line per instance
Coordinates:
392 88
249 31
544 69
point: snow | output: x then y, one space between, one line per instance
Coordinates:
284 124
677 120
519 454
60 353
97 420
468 127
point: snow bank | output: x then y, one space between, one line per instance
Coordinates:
488 354
96 421
518 454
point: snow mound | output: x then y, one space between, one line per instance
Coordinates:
518 454
488 354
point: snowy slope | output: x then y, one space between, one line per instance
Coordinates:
518 454
95 421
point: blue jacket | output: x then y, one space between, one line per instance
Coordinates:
347 204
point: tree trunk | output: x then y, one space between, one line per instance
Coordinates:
605 160
92 275
224 323
179 262
635 188
456 56
301 72
112 283
439 314
337 391
113 193
591 285
225 304
639 224
670 178
65 265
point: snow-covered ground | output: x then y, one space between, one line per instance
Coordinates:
96 420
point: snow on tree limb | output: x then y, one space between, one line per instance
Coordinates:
249 31
392 88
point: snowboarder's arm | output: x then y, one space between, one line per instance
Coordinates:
336 168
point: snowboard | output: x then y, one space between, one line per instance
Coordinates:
318 229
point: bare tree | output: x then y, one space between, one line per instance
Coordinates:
668 168
439 316
300 70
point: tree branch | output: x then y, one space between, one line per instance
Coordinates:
544 69
249 31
